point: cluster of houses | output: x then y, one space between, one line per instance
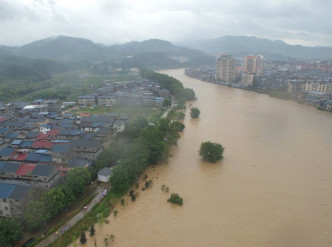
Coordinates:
134 93
310 91
38 147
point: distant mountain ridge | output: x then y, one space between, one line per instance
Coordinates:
239 46
130 54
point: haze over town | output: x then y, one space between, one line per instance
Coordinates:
109 22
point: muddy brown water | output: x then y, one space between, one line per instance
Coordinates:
273 188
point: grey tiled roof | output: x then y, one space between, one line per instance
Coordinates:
106 171
42 170
20 191
61 148
77 162
85 143
10 167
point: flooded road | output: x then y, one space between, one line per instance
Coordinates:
273 187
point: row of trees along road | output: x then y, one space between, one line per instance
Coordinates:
149 146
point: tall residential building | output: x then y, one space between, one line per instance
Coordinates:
260 63
250 64
226 68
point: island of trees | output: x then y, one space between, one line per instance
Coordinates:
211 152
194 112
176 199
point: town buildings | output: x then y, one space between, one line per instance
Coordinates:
38 149
305 81
134 93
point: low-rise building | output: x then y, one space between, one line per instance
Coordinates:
62 153
14 199
87 100
104 174
87 149
107 100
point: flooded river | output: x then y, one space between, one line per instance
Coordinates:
273 188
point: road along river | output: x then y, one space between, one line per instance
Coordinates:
273 188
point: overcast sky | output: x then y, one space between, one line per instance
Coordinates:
306 22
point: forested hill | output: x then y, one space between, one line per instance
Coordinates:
151 53
14 67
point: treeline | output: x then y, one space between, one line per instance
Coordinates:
148 148
149 144
175 87
54 201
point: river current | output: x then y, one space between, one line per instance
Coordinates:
273 187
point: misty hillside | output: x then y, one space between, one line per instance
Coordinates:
15 67
61 48
152 53
239 46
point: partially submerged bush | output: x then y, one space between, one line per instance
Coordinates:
175 198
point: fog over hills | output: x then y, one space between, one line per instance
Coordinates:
239 46
63 53
153 52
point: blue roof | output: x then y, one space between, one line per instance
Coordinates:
3 130
7 151
45 125
6 190
66 125
33 134
1 165
61 148
45 158
26 143
41 151
96 124
60 141
12 135
16 142
33 157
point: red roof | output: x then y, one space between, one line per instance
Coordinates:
25 168
20 156
3 119
42 137
53 132
41 144
48 135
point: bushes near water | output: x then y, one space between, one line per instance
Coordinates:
176 199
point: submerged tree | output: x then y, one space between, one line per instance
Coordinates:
92 230
194 112
211 152
176 199
83 238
